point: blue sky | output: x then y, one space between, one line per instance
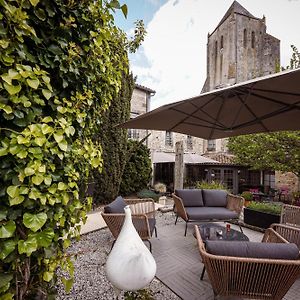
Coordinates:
172 59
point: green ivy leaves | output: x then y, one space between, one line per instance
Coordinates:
7 230
34 222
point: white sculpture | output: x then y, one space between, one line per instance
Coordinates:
130 265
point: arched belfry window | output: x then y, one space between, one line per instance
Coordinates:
222 43
253 39
245 38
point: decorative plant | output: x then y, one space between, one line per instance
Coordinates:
61 66
248 196
213 185
266 207
148 194
160 187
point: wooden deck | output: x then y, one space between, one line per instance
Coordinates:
179 266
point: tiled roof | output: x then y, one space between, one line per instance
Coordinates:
221 157
144 88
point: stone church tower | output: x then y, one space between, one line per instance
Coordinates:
239 49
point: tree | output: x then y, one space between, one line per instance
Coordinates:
62 63
114 144
137 172
276 151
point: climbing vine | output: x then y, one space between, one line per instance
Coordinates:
61 66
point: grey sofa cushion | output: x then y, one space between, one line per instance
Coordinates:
116 207
139 224
215 198
192 197
253 250
208 213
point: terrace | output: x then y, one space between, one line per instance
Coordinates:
178 263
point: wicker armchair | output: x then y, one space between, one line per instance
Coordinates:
251 278
143 218
290 215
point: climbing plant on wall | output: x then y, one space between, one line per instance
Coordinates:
61 65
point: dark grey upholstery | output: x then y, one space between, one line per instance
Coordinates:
116 207
190 197
209 213
215 198
253 250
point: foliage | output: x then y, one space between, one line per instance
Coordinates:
278 151
62 63
137 172
139 295
265 207
148 194
248 196
295 59
160 187
213 185
113 140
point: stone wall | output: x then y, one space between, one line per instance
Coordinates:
288 179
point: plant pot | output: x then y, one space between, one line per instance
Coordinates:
259 219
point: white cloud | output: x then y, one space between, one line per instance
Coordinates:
172 60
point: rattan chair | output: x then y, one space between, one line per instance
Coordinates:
251 278
290 215
143 218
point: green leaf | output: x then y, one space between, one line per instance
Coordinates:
16 200
40 141
7 230
68 283
22 154
28 246
47 94
13 191
3 214
38 179
58 137
46 129
63 145
47 119
124 10
3 151
5 279
29 171
34 2
62 186
34 222
12 89
48 180
6 108
47 276
6 248
34 83
45 237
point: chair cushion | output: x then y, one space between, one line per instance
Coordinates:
116 207
209 213
215 198
253 250
192 197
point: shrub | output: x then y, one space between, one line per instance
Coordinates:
160 187
248 196
61 65
266 207
137 173
213 185
148 194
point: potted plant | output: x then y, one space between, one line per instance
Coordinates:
248 197
262 214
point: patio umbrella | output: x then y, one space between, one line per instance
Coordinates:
265 104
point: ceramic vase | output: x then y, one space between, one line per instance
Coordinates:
130 265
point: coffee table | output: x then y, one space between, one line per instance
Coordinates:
216 232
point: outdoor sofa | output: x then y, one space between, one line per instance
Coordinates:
143 217
201 205
251 270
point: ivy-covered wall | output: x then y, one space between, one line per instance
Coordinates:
61 65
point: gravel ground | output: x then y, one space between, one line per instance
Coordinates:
90 280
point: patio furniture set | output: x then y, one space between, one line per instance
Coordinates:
235 266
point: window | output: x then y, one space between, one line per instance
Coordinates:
169 138
211 145
133 134
189 142
245 38
221 44
253 39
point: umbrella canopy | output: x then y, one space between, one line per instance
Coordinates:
265 104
